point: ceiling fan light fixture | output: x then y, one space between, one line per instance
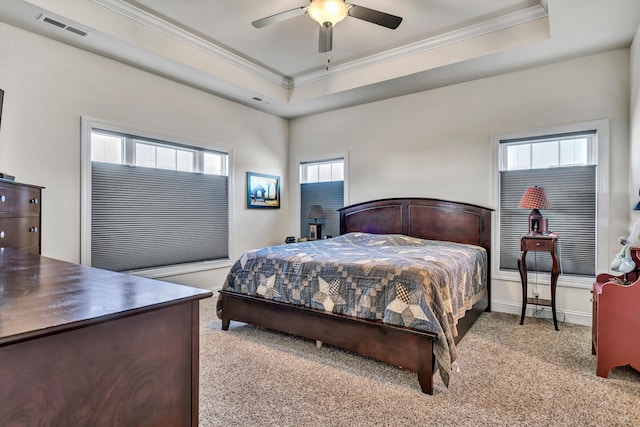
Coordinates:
332 11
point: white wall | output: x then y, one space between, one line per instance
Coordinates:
435 143
634 142
49 86
438 143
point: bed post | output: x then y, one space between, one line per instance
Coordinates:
426 363
222 312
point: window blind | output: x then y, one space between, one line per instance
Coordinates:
329 195
572 193
145 217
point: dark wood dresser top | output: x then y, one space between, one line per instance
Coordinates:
40 296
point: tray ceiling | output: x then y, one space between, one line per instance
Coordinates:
211 44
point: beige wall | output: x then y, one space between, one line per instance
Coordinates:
438 143
49 86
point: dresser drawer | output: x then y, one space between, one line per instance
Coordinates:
530 244
20 233
19 200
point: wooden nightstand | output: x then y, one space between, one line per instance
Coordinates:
539 243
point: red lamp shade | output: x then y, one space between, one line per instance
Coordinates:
535 198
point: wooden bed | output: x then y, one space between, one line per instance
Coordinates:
404 347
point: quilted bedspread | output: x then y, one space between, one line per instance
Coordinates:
400 280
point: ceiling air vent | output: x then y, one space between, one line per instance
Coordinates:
258 99
57 23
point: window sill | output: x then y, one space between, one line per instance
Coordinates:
568 281
174 270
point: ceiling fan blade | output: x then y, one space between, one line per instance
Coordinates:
325 41
278 17
375 16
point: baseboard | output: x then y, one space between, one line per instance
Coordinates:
568 316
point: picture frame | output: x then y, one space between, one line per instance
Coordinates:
263 191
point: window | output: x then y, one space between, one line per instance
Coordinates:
326 171
565 165
113 147
152 203
322 183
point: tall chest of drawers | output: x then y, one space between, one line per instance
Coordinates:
20 216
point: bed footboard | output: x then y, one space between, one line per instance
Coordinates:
403 347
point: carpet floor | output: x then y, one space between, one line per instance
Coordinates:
509 375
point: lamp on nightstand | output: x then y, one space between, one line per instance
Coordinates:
535 198
315 213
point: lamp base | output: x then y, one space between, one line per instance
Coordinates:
537 224
315 231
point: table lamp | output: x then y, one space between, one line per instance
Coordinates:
535 198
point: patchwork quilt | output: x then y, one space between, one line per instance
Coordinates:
400 280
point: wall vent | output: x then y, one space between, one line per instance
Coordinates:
57 23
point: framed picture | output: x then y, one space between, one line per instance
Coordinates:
263 191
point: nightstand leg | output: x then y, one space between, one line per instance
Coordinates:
554 283
522 267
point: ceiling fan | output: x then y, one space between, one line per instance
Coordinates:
328 13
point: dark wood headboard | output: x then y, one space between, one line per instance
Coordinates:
431 219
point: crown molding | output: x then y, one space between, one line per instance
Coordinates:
477 30
151 21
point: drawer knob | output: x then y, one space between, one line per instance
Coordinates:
3 198
538 243
33 229
1 234
34 201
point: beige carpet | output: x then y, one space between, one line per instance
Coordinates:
509 375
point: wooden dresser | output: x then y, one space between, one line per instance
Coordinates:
81 346
20 216
616 320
